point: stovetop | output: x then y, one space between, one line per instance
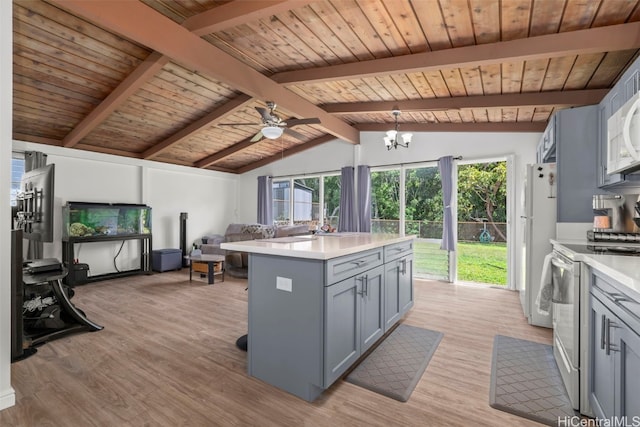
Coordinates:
596 248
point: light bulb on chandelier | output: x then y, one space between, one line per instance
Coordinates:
391 139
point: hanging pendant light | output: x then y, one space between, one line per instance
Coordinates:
391 138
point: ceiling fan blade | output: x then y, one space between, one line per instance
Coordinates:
257 137
265 115
239 124
295 134
309 121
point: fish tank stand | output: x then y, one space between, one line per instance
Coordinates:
86 222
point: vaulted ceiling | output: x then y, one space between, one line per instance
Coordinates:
179 81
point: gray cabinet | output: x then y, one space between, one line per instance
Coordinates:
576 135
614 388
311 319
398 275
353 320
546 150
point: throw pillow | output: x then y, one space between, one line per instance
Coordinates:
251 228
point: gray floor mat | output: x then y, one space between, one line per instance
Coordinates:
525 381
397 364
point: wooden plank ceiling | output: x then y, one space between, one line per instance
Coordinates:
179 81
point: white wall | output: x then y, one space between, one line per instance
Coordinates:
208 197
7 395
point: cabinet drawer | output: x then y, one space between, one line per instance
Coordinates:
621 303
350 265
398 250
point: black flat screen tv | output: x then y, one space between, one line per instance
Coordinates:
35 204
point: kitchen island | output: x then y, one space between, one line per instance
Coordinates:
317 303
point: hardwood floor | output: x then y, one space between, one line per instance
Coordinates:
167 357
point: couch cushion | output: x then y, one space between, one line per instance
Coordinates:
292 230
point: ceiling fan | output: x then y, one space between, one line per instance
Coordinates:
273 125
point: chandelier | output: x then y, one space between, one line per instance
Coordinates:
391 140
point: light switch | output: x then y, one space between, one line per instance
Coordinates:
284 284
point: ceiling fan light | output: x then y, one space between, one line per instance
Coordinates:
406 137
272 132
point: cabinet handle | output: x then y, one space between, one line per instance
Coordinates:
364 289
610 347
404 267
359 262
602 328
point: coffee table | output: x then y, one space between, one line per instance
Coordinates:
211 261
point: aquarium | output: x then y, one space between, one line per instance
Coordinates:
83 219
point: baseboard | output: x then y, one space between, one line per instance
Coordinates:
7 398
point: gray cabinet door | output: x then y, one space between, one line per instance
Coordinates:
342 328
628 370
392 292
602 387
372 310
405 284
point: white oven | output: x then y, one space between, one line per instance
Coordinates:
565 276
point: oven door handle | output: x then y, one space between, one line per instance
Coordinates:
561 264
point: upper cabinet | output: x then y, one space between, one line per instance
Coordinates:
571 141
624 90
576 144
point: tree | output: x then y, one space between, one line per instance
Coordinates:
482 193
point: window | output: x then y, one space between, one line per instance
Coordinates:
17 170
281 202
314 200
385 201
306 201
331 200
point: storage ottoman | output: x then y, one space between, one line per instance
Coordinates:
166 259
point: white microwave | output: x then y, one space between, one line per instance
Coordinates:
623 133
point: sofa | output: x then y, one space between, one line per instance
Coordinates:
237 263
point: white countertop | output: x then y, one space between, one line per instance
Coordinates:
319 246
621 268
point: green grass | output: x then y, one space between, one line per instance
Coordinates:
477 262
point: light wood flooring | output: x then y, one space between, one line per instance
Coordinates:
167 357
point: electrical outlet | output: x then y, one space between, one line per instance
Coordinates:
284 284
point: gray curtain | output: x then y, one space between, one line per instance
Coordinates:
347 219
445 166
265 200
34 160
364 199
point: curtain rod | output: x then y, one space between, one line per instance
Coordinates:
333 172
337 172
413 163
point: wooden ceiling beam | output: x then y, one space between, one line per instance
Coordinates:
161 34
211 119
237 13
209 160
219 18
134 81
457 127
592 40
291 151
559 99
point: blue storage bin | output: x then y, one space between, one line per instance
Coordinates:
166 259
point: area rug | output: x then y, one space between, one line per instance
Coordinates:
525 381
394 368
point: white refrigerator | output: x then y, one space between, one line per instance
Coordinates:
539 225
